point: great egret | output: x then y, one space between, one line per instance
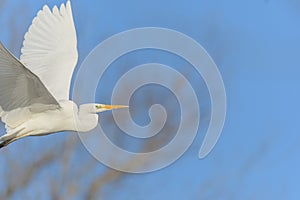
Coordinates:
34 92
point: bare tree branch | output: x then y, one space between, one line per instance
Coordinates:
29 173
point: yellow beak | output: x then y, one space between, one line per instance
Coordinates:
110 107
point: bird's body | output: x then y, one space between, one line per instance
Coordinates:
67 118
34 91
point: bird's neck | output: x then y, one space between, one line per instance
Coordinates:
85 121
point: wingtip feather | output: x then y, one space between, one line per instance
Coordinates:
62 9
55 10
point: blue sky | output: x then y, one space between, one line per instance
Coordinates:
255 44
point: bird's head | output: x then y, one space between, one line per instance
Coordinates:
93 108
102 107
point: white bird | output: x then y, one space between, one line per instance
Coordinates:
34 91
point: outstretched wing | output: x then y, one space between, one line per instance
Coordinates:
19 87
50 49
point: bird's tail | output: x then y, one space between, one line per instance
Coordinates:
2 145
11 136
7 142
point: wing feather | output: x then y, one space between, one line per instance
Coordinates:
50 49
20 88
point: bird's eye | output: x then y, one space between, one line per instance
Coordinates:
99 106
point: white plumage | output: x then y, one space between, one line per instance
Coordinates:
51 36
34 92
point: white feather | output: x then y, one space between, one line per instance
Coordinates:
50 49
